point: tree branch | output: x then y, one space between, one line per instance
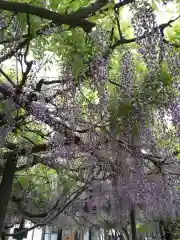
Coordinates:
168 24
26 213
13 51
132 40
28 66
74 19
176 45
35 161
43 82
85 12
82 12
117 5
7 77
52 216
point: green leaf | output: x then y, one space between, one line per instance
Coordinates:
54 4
143 228
35 24
22 20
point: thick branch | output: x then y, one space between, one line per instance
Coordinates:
59 210
43 82
133 223
36 149
117 5
28 67
85 12
81 13
26 213
6 186
72 19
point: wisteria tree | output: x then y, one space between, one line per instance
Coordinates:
99 144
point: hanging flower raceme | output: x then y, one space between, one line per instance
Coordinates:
127 77
148 36
98 82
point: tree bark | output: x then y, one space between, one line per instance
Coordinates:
3 237
6 186
167 232
161 230
90 234
59 234
133 224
